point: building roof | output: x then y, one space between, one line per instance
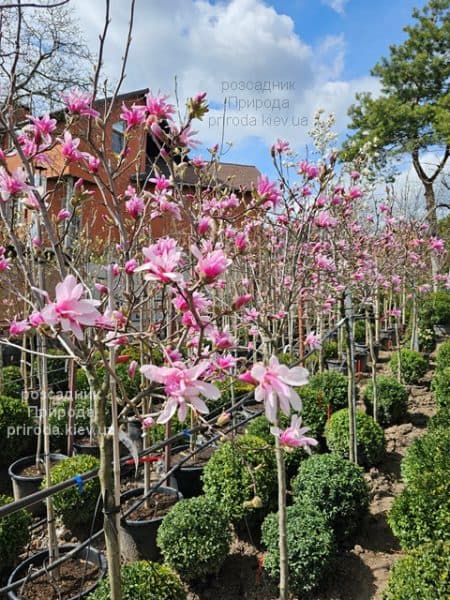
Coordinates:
235 176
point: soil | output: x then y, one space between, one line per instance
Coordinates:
34 471
361 572
198 460
68 579
158 505
86 441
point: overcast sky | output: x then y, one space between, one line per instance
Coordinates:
321 51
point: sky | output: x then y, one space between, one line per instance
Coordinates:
318 52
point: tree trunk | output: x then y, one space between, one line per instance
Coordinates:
373 365
282 521
353 454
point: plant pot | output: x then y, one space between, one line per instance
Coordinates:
91 555
361 360
361 349
81 446
189 477
24 485
340 366
138 538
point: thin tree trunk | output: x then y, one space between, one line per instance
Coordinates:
373 366
353 454
282 522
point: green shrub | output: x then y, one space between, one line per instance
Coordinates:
14 534
16 429
260 427
12 382
57 374
422 511
428 454
59 417
434 309
370 438
241 388
195 537
144 580
310 542
131 386
443 356
238 471
336 487
322 390
75 508
392 400
413 365
441 420
440 385
423 574
329 350
360 332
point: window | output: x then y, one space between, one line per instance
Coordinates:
118 140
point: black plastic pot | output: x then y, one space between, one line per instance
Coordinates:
23 485
80 448
91 555
189 477
337 365
138 538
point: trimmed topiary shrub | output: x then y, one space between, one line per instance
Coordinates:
131 386
144 580
371 442
392 400
194 537
338 488
12 381
434 309
441 420
440 385
413 365
75 508
14 534
421 514
311 546
16 429
238 471
443 356
423 574
427 454
422 511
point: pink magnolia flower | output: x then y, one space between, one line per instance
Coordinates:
226 362
222 339
437 244
268 191
162 260
63 214
4 264
242 301
280 146
325 220
203 225
148 422
354 192
132 369
183 389
93 164
158 107
293 436
313 341
79 102
19 327
69 309
102 288
135 207
275 389
130 266
212 264
69 147
36 319
133 116
14 184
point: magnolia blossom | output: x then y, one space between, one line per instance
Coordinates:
69 147
293 436
79 102
69 309
63 214
313 341
11 185
162 260
19 327
148 422
274 387
268 192
133 116
131 266
183 389
132 369
135 206
212 264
